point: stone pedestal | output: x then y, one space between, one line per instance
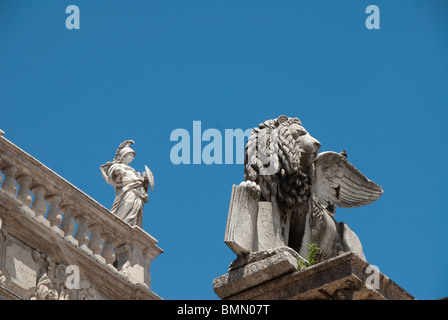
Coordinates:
255 269
274 275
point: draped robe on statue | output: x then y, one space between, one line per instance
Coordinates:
130 194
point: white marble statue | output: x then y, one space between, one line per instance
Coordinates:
290 194
131 187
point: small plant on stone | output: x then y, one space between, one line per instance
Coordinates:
311 258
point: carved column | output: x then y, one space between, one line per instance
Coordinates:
39 206
95 243
108 250
24 193
54 215
68 225
82 233
9 185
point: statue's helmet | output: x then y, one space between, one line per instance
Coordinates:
123 150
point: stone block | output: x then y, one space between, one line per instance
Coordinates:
344 277
259 268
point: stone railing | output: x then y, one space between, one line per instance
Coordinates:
65 213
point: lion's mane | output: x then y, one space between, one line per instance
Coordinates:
290 185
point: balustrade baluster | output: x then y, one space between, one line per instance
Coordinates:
24 193
108 249
54 212
39 205
95 243
10 185
82 233
68 223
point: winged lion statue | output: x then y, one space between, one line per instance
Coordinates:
297 190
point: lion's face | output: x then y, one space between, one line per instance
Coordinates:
308 145
291 179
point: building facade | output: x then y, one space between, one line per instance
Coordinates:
57 243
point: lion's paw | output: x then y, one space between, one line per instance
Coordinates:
253 188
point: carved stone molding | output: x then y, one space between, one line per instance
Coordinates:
55 283
17 267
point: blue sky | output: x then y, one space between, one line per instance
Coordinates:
141 69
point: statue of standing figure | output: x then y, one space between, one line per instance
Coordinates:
131 187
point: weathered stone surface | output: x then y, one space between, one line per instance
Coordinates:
253 226
346 276
269 227
241 221
299 190
21 268
257 269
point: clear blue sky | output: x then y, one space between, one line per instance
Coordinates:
141 69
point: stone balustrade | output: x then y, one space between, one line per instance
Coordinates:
71 218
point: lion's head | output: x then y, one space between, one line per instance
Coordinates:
278 158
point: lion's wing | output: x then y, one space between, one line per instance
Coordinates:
339 184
